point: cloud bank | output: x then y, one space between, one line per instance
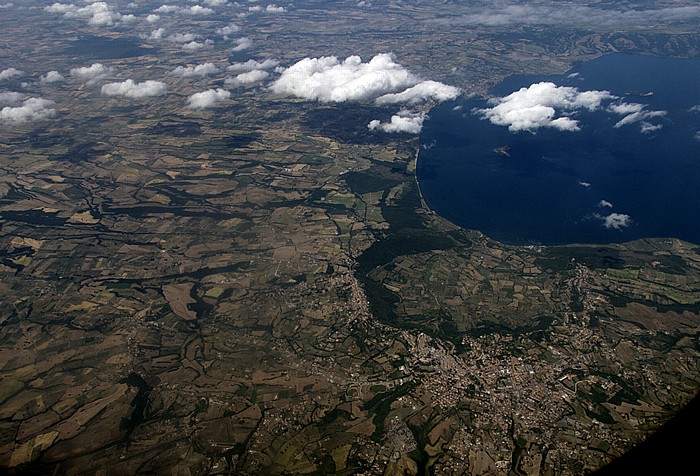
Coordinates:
132 89
542 105
327 79
96 13
503 14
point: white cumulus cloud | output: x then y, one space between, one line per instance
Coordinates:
604 204
91 74
157 34
52 77
617 221
242 44
404 121
10 73
96 13
194 45
207 99
132 89
32 109
275 9
249 77
327 79
251 65
229 29
167 9
197 10
181 37
542 105
199 71
10 98
421 92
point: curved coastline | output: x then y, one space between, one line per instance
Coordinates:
591 186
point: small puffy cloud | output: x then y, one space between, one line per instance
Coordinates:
10 98
157 34
604 204
167 9
228 30
242 44
585 184
275 9
199 71
10 73
328 79
91 74
695 108
404 121
152 18
542 105
132 89
197 10
52 77
421 92
215 3
193 45
616 221
250 77
207 99
181 37
648 127
32 109
634 112
251 65
256 8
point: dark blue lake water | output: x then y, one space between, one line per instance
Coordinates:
599 184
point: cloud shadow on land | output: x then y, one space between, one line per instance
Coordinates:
92 47
347 122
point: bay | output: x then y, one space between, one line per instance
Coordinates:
550 186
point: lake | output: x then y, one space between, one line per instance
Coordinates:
630 170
